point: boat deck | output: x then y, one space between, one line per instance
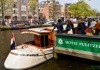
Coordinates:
31 47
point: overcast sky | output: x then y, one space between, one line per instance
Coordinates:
95 4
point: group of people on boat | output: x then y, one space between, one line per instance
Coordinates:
83 27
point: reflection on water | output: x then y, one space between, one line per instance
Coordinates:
63 63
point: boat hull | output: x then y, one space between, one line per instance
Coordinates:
24 61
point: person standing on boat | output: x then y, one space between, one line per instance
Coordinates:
87 25
97 28
70 26
87 22
59 26
81 27
92 23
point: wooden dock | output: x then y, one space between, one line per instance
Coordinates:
78 45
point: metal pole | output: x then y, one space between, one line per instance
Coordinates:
37 10
53 2
19 16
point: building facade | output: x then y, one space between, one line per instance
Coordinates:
49 9
20 9
64 10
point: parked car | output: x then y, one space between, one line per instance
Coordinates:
13 24
50 22
25 22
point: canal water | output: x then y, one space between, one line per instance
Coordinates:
63 63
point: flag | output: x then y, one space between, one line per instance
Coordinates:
12 46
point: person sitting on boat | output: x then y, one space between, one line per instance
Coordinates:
59 26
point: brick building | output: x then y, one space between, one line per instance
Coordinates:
49 9
64 10
19 8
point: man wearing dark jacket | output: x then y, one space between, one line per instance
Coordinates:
59 27
81 27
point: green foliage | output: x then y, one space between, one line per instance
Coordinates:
81 9
32 4
3 7
4 3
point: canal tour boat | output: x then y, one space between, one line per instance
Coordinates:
34 52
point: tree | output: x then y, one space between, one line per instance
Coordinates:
3 7
98 14
32 4
81 9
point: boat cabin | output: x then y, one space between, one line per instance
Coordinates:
43 37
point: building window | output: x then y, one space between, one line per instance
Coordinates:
15 11
23 6
15 5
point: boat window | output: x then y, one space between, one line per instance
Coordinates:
30 42
44 40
